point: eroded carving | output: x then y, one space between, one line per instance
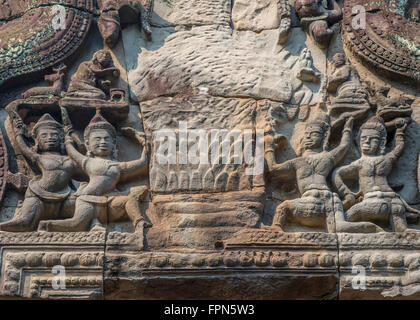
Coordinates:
211 65
109 22
98 202
351 98
285 21
57 84
380 203
317 19
306 70
48 195
318 207
35 36
92 79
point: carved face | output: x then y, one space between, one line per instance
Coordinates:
370 141
308 8
314 137
48 139
104 58
100 143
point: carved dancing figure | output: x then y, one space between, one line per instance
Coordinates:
380 205
98 202
49 195
318 207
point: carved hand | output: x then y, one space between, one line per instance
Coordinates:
349 124
106 85
131 133
68 130
402 124
275 141
19 127
349 201
69 139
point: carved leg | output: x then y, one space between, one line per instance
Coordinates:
129 206
81 220
27 218
369 210
132 207
341 225
68 208
398 218
283 212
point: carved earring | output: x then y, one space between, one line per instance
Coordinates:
115 152
62 144
88 153
36 146
326 144
383 146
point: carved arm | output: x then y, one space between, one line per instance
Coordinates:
79 158
399 143
135 167
26 151
339 152
283 170
101 73
338 175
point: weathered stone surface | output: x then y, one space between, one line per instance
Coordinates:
187 13
390 262
206 56
255 16
209 149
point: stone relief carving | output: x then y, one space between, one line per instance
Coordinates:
380 203
49 195
285 22
98 201
389 43
306 72
317 17
57 84
351 98
109 22
90 80
94 191
318 207
36 35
